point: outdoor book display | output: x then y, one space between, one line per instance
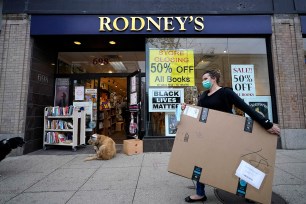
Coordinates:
226 151
64 126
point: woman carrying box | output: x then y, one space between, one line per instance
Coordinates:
222 99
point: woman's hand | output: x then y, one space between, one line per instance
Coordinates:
274 130
183 106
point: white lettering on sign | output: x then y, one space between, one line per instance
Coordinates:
165 100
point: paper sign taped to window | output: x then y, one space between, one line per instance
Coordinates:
250 174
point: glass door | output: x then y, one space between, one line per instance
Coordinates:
135 129
85 94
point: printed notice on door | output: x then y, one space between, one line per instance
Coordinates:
171 67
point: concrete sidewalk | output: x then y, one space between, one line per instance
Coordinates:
54 177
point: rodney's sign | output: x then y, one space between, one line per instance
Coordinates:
137 24
152 24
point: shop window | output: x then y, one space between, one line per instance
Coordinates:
175 67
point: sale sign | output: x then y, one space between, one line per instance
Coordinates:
243 82
171 67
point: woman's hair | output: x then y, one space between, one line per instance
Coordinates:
213 73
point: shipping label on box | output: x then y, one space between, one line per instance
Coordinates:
250 174
217 143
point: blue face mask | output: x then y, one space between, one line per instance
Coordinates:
207 84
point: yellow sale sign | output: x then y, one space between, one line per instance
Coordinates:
171 67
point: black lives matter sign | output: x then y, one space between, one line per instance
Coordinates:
165 100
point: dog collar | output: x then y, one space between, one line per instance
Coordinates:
6 142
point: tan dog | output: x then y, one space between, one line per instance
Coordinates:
105 148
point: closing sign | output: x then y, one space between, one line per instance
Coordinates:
165 100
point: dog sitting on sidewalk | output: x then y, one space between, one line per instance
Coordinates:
104 146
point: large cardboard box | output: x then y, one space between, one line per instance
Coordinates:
132 146
210 145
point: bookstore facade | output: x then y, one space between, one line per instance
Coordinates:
130 71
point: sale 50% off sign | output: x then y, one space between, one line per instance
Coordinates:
171 67
243 81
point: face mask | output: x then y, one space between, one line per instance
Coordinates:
207 84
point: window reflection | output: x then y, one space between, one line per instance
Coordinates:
212 53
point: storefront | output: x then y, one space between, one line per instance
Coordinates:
173 52
135 66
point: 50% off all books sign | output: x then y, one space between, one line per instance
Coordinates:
171 67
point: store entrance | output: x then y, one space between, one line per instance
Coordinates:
112 117
100 82
105 102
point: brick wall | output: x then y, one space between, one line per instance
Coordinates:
26 82
14 74
289 73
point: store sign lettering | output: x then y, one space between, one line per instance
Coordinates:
243 81
171 67
137 24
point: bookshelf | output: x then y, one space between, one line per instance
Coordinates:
64 126
107 121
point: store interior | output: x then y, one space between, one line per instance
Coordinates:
106 87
